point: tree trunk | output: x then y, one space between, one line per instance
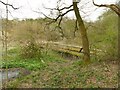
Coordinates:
119 50
119 34
85 42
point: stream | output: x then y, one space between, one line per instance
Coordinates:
11 74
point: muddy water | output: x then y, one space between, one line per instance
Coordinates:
11 74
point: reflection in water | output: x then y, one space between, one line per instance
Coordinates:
11 74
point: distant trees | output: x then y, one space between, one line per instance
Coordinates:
116 9
103 35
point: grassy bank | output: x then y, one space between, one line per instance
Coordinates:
51 70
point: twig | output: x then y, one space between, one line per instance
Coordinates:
8 5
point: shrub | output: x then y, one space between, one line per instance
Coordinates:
30 50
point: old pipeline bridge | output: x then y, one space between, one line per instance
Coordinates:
66 48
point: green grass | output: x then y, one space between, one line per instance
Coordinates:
37 63
58 72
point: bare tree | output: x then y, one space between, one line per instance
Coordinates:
85 42
4 35
80 23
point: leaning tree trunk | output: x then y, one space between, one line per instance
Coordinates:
85 42
119 45
119 32
119 49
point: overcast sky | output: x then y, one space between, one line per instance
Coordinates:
28 6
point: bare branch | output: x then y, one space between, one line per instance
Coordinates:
53 20
58 9
58 17
114 7
43 14
76 28
8 5
65 8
